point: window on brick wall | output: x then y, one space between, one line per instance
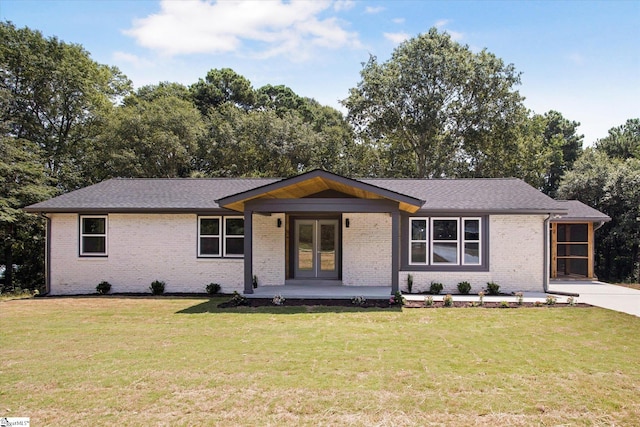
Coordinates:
445 241
218 236
93 235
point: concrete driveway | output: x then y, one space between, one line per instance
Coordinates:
603 295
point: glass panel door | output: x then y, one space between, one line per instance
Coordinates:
316 249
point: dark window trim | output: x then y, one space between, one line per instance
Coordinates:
223 237
404 244
81 254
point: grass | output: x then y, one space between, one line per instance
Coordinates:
180 361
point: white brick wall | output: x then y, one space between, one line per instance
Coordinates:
516 259
147 247
269 249
366 250
141 248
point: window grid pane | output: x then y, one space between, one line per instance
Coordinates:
93 235
418 241
471 243
445 242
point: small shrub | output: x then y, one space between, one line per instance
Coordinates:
571 301
410 283
435 288
551 300
235 301
504 304
473 304
464 287
537 304
428 301
397 299
481 297
359 300
157 287
519 298
493 288
447 300
103 287
255 281
213 288
278 300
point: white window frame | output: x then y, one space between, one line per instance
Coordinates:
232 236
465 241
433 241
425 241
103 235
219 236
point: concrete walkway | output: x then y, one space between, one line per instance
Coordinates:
603 295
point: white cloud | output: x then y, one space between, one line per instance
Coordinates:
201 26
373 10
341 5
397 37
441 23
398 20
136 61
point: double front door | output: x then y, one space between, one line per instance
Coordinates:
316 249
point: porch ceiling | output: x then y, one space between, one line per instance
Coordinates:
313 183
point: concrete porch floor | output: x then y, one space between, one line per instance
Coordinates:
312 291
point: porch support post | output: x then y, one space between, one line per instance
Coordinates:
395 251
248 251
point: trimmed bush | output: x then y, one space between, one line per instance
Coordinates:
410 283
103 287
464 288
435 288
157 287
448 300
213 288
493 288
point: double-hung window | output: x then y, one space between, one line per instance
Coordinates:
220 236
93 235
444 241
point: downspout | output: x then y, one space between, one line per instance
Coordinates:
547 260
47 254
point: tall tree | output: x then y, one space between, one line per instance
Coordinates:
57 95
623 142
154 134
221 86
611 185
438 98
561 137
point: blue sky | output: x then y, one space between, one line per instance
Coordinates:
581 58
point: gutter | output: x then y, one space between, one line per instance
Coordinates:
547 261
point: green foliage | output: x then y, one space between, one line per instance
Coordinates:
503 304
551 300
464 287
447 300
397 299
435 288
222 86
519 298
428 301
213 288
566 146
493 288
448 110
278 300
611 185
157 287
103 287
358 300
410 283
623 142
235 301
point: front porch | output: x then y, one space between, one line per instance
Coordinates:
321 291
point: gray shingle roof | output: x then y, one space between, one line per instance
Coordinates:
580 211
200 195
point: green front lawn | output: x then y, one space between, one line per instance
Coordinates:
179 361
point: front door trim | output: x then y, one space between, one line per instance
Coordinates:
316 273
